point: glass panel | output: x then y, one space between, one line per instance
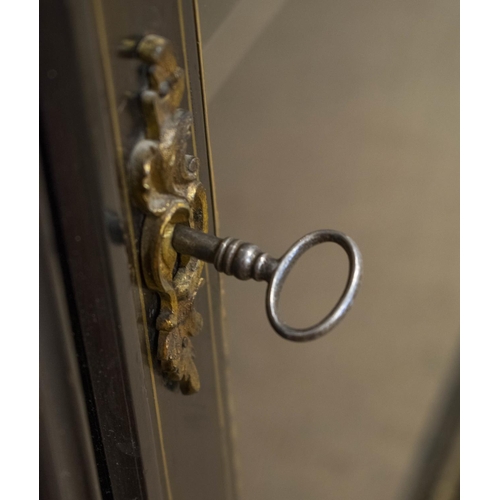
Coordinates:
338 115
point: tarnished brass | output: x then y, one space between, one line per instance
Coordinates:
165 186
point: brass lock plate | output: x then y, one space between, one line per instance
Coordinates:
165 186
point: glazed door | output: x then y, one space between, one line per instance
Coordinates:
324 115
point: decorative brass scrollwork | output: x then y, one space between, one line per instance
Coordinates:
165 186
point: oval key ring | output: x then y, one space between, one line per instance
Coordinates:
285 265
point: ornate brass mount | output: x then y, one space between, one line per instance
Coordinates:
165 186
174 242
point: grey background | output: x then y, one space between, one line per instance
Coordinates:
338 114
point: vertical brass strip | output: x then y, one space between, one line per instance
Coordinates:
205 117
188 85
230 479
220 408
108 76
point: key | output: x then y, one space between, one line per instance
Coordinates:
246 261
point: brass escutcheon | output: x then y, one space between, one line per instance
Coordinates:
165 186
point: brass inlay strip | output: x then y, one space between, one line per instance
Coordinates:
108 76
186 70
220 408
205 118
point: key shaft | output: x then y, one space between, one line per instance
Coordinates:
230 255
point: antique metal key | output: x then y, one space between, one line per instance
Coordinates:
174 243
246 261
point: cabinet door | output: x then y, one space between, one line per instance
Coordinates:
149 440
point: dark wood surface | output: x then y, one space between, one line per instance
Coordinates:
67 464
149 441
